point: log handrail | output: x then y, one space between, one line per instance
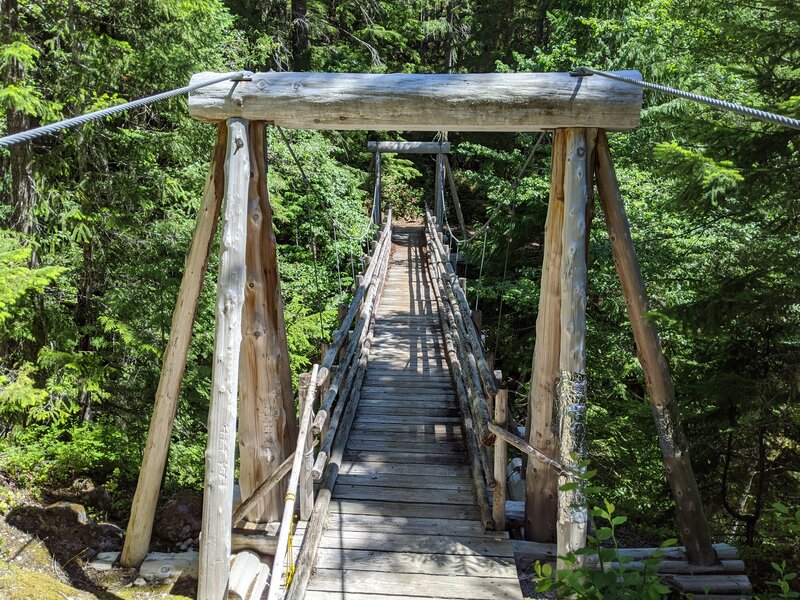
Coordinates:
347 406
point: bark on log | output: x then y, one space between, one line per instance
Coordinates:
267 417
541 484
215 541
674 448
140 524
571 392
411 102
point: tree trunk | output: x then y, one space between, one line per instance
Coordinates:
23 190
301 60
267 415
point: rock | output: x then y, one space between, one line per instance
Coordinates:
70 512
139 582
180 517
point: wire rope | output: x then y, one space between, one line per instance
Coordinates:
45 130
747 111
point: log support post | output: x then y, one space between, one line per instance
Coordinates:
571 391
541 483
377 213
215 542
500 458
267 421
438 202
692 522
140 525
454 194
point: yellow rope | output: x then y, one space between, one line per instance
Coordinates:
289 497
290 556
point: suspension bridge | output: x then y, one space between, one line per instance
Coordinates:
390 481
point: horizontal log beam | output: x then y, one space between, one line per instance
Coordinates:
410 147
411 102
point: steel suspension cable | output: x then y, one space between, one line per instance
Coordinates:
44 130
747 111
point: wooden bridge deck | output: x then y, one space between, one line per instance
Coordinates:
403 520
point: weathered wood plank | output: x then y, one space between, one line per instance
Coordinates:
425 564
398 509
478 588
410 495
405 525
400 468
420 482
483 545
416 447
411 102
405 457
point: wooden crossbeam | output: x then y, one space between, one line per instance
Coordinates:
410 147
412 102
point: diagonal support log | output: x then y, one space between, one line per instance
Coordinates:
675 449
140 525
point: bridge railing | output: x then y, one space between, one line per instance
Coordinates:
329 397
474 379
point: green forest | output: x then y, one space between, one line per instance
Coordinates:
95 224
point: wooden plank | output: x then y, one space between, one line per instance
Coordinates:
443 429
478 588
409 147
426 564
412 102
424 401
406 457
416 447
406 419
381 435
408 411
398 509
482 545
347 595
399 468
215 543
405 525
461 484
143 508
409 496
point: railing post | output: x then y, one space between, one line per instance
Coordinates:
438 205
306 492
376 201
500 459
